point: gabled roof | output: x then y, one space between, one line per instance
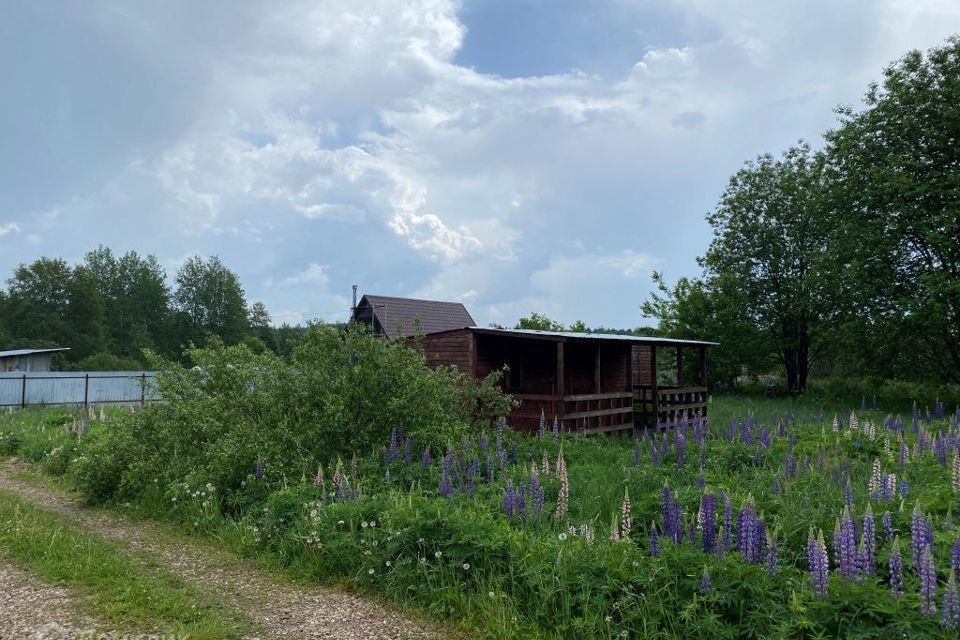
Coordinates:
26 352
405 317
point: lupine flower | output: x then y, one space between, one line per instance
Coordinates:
868 543
556 428
771 561
654 540
918 535
818 562
625 520
928 583
701 480
542 430
472 472
853 421
393 453
509 500
726 538
537 496
654 454
705 585
586 532
873 485
425 459
545 465
319 480
950 605
836 423
258 471
614 530
338 475
847 548
848 495
707 521
636 452
747 532
563 497
446 475
955 472
490 469
520 502
666 503
407 445
955 557
896 570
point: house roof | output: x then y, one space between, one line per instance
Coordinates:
26 352
404 317
560 336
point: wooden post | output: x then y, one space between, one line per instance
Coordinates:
143 389
23 393
86 391
596 371
703 365
654 390
560 382
679 367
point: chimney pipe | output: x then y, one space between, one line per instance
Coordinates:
353 309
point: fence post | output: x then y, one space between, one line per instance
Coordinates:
143 390
86 391
23 393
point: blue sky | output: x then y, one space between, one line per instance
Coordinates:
517 155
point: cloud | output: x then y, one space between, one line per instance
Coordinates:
314 273
9 227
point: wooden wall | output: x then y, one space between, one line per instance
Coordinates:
642 373
450 348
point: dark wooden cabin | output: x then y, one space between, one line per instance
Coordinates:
406 317
589 382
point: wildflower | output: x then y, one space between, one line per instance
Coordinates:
556 428
874 483
509 500
425 459
364 524
771 563
836 423
746 532
586 532
625 520
492 594
707 521
955 557
950 605
614 530
918 535
928 583
955 474
537 495
868 543
654 540
258 471
446 475
818 562
542 431
370 571
545 465
562 536
319 480
563 497
846 549
437 554
705 585
726 538
466 566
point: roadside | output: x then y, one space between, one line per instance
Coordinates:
273 606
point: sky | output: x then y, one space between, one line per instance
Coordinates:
515 155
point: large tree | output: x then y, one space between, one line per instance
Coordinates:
771 232
211 301
896 170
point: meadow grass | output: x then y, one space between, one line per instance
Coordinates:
128 593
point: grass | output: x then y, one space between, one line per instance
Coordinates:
129 593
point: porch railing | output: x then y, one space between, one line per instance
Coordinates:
582 412
671 403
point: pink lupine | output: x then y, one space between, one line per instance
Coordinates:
625 520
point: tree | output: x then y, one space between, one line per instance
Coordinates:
38 299
694 310
896 168
84 315
539 322
771 231
211 301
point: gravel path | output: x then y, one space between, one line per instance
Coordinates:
31 609
277 608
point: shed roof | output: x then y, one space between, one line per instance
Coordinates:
559 336
404 317
26 352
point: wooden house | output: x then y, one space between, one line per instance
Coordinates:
406 317
589 382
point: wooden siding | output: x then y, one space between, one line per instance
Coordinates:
450 348
642 371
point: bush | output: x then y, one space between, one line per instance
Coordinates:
232 410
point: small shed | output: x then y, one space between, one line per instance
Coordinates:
406 317
589 382
27 360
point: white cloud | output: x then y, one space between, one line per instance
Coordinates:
314 273
9 227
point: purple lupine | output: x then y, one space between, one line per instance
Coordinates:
887 522
707 518
446 474
903 488
509 500
537 496
654 454
654 540
746 532
848 495
918 535
472 472
556 428
955 557
847 548
490 469
938 411
393 452
666 502
868 540
701 480
928 583
676 517
425 459
771 561
258 470
726 538
542 428
680 443
896 570
764 437
950 605
692 533
775 485
407 445
705 585
818 562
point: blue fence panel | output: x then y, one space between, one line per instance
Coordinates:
77 387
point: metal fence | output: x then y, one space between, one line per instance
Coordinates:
86 388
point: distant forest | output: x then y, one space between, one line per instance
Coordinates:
109 308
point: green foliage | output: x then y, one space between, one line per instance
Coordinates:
540 322
109 362
210 301
460 558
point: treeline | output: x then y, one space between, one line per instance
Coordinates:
845 260
109 308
